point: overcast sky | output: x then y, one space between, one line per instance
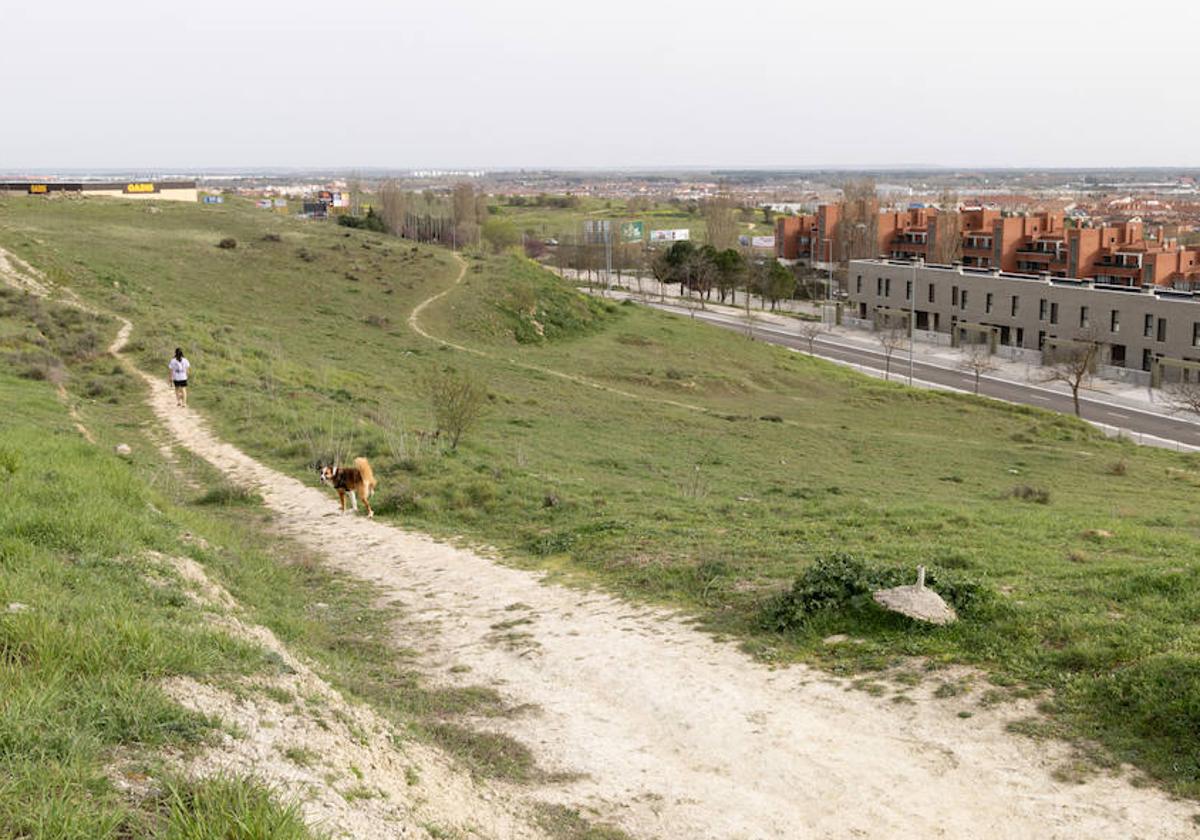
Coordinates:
179 84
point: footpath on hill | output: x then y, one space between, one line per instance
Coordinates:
671 734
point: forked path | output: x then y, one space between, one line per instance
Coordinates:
674 735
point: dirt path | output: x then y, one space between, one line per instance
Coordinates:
678 736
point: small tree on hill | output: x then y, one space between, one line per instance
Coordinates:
500 233
810 331
977 361
891 338
458 401
780 283
1074 364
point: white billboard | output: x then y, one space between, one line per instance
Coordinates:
676 235
762 241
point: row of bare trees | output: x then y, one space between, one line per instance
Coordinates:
454 220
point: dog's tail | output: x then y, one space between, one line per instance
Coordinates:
364 467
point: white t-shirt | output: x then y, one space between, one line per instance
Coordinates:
179 369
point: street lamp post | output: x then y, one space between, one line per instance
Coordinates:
912 318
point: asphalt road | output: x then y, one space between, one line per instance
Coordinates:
1094 409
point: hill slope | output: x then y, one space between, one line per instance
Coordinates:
704 471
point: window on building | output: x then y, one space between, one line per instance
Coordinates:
1084 320
878 287
1042 309
1053 312
954 295
908 290
962 298
987 303
1041 340
1162 329
1147 360
887 287
1016 302
858 285
931 294
1196 333
1148 326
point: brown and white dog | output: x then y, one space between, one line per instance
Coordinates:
357 481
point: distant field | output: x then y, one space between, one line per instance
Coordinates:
548 222
711 473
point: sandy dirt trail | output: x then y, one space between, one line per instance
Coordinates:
675 735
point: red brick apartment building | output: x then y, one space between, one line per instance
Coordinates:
1033 243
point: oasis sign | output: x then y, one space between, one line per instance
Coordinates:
141 188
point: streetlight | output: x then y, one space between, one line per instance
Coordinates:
912 318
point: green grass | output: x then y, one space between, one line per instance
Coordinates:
89 641
668 484
565 223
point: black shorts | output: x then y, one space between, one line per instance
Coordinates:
180 383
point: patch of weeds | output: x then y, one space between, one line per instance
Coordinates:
952 688
875 689
486 754
358 792
228 807
412 778
1028 493
565 823
227 494
301 756
280 695
511 623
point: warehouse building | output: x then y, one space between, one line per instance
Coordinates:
1148 334
155 190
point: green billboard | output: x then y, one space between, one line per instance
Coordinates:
632 231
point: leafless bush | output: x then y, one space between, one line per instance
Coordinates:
458 401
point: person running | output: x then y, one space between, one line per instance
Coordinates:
179 377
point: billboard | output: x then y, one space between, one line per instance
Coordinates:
632 231
39 189
214 199
762 241
141 188
675 235
280 202
263 204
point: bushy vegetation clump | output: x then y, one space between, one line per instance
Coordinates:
842 583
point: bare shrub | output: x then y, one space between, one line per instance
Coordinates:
458 401
1038 495
228 243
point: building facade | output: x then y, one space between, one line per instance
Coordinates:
154 190
1149 328
1122 254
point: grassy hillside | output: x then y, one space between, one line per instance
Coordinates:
706 471
94 619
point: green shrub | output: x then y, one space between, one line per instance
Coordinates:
843 583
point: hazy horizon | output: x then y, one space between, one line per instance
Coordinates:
136 85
